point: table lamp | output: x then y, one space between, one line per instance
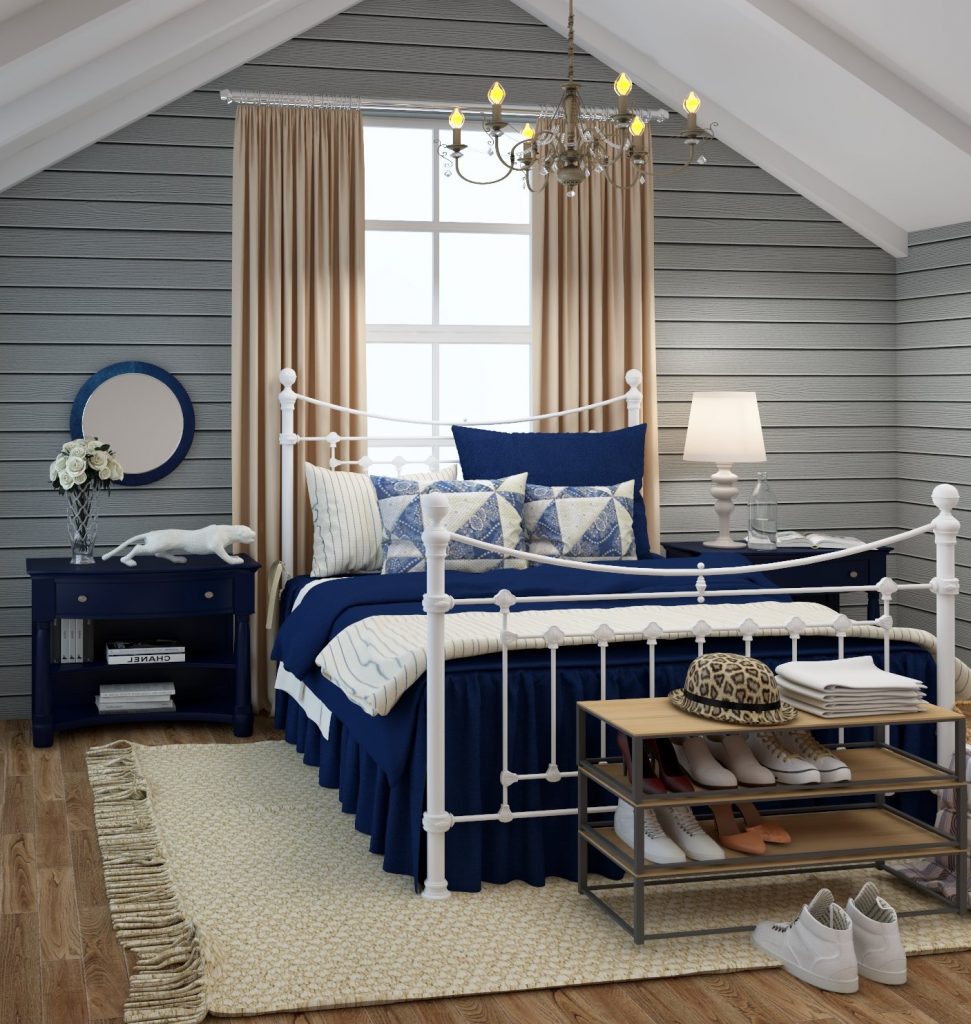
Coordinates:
724 428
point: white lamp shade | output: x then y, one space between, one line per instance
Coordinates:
724 428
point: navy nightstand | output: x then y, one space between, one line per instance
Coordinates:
204 603
858 570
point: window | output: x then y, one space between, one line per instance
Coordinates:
448 288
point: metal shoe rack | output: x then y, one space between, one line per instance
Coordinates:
867 832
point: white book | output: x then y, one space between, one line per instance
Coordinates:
137 689
119 647
75 640
163 704
792 539
144 659
134 698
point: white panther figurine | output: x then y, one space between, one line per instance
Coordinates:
174 545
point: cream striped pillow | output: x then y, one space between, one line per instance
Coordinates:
346 522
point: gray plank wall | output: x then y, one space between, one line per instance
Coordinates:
123 251
934 405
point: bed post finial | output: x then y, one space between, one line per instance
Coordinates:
436 821
635 397
945 587
288 441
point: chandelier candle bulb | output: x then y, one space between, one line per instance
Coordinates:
495 96
622 87
691 104
455 120
638 133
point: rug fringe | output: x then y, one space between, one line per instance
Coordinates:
167 984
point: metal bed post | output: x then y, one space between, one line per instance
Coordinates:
288 441
436 821
945 586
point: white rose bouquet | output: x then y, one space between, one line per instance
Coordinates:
82 462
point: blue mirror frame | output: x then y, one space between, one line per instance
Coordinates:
181 395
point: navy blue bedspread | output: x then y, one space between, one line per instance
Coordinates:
378 763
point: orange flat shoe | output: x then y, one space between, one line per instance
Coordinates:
771 832
732 836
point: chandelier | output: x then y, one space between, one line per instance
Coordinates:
575 140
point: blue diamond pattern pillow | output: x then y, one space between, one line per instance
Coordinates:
488 510
591 524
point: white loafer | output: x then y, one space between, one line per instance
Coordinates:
817 947
659 847
880 954
735 755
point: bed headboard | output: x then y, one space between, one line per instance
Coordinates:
632 397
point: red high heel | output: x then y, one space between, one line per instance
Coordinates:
650 783
669 769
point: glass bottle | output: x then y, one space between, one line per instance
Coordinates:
763 514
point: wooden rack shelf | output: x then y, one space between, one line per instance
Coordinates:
834 835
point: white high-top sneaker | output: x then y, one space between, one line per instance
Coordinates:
803 744
659 847
682 826
817 947
787 768
876 937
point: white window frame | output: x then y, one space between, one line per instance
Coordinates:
435 334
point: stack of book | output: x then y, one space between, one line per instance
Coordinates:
144 652
115 698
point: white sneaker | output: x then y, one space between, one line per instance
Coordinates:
817 947
787 769
682 826
876 937
803 744
700 765
659 847
734 754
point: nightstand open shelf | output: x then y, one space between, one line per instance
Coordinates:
837 834
204 604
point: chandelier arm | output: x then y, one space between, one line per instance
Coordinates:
472 181
620 185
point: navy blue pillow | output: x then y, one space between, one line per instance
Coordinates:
572 460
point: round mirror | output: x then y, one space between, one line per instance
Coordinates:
143 412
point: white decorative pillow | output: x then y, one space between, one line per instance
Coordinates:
591 524
488 510
347 526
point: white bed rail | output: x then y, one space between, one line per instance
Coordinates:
632 397
437 604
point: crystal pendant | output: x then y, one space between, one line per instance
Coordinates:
82 523
763 514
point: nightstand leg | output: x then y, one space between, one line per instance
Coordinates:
243 711
42 724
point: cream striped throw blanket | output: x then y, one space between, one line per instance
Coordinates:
376 660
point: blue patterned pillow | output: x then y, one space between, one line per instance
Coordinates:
488 510
591 524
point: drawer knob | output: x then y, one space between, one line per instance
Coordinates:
82 598
854 573
209 595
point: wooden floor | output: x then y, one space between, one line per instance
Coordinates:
60 964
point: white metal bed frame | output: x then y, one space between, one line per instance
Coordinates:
437 603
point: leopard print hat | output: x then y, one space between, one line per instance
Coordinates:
732 688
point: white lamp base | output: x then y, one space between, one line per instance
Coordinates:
724 489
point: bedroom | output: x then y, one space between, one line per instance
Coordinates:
826 270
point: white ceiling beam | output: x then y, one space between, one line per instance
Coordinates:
783 16
189 62
667 86
48 41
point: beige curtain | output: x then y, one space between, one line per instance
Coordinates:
593 309
298 300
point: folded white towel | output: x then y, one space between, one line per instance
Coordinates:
839 713
845 674
847 697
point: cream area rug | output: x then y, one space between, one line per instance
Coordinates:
242 888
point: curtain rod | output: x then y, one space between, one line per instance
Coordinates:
387 106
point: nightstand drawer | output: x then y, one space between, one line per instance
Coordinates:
117 598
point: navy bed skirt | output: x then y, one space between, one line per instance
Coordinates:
378 764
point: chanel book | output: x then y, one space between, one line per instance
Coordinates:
144 652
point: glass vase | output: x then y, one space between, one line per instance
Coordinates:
82 523
763 515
